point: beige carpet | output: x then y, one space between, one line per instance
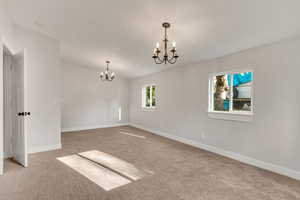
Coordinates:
177 171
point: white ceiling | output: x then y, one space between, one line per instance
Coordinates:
125 31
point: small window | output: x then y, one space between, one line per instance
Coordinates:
149 96
120 113
231 92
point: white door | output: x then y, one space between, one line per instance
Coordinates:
20 122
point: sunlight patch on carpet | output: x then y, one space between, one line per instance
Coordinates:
115 164
100 175
134 135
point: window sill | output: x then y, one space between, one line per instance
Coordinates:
233 116
148 109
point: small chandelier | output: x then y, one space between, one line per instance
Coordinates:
107 75
165 57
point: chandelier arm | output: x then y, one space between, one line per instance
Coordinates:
170 60
156 62
173 60
159 59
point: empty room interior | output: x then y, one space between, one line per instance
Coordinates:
149 100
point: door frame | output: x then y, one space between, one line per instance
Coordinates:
8 112
1 108
26 121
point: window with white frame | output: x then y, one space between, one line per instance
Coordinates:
148 96
231 92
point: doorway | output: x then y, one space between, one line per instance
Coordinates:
14 105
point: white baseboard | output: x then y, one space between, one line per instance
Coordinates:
45 148
92 127
7 155
244 159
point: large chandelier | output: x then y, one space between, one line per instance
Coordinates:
165 58
107 75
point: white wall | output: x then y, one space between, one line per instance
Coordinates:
6 28
44 77
5 36
271 140
89 102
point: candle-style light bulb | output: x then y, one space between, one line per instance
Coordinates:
174 44
112 76
157 45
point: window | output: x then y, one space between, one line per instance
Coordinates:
120 113
148 96
231 93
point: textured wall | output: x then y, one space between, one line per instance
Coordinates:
182 103
88 102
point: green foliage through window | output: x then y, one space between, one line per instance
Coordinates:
149 96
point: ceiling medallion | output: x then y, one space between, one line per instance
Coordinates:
107 75
165 58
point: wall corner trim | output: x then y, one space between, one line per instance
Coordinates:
244 159
45 148
93 127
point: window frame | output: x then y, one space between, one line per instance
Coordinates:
151 107
231 114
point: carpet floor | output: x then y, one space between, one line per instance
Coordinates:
177 171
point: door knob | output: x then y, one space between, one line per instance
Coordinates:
27 113
21 114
